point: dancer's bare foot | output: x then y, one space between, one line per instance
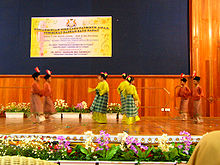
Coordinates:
184 117
41 118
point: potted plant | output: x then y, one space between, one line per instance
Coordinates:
70 113
64 110
59 105
97 149
113 111
84 110
14 110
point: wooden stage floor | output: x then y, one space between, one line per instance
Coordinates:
147 126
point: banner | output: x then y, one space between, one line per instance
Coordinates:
71 36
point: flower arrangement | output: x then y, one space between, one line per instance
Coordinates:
163 145
89 145
36 147
113 108
61 106
82 107
128 142
186 148
16 107
129 148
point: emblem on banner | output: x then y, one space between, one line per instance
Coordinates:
71 23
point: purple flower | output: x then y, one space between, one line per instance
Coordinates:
102 132
180 146
97 149
186 140
61 139
128 141
135 141
138 144
144 147
104 139
66 145
107 135
186 151
79 106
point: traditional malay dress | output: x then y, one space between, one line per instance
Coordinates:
131 110
36 103
49 108
184 92
120 89
100 102
197 94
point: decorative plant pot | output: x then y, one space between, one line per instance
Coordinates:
70 115
15 115
93 162
86 115
57 115
117 162
119 117
111 116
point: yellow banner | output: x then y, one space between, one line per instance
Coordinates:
71 36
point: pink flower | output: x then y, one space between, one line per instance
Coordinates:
180 146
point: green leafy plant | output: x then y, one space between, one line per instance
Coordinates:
113 108
61 106
16 107
128 150
82 107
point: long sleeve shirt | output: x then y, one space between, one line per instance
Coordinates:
102 87
131 90
122 85
35 89
184 92
47 90
197 93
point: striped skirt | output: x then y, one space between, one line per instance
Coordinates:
131 109
100 103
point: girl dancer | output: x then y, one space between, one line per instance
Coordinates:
131 103
120 89
99 105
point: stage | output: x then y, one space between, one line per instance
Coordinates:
148 126
148 132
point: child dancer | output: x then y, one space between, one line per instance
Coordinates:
36 94
131 103
197 94
49 108
184 92
120 89
99 105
